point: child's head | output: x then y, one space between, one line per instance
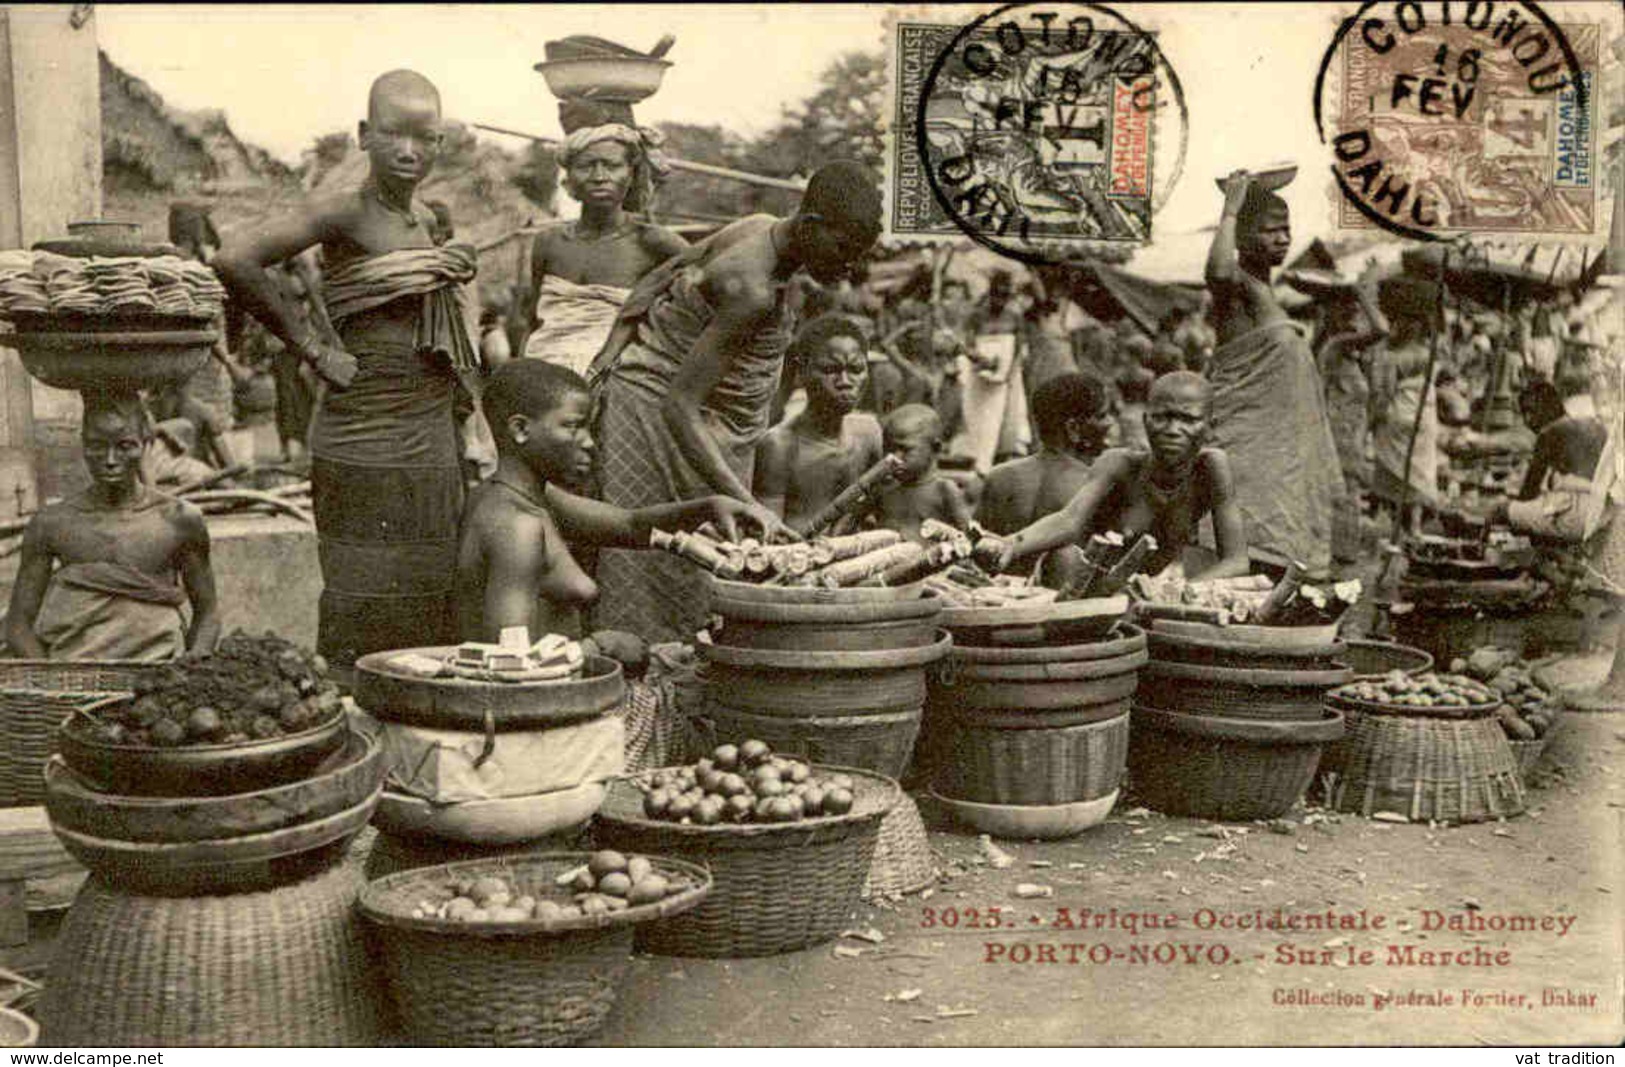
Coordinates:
1176 416
831 359
1134 385
538 414
914 432
115 434
1070 413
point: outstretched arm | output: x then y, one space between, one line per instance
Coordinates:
743 306
1072 522
955 506
28 593
595 522
1229 529
197 576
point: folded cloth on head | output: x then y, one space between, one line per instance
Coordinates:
433 273
111 611
641 139
574 321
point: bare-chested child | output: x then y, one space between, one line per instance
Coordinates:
513 566
803 464
1164 492
920 492
583 269
98 574
1071 414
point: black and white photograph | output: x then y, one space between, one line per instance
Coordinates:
761 524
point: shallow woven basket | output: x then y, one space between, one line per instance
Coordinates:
35 696
1426 768
1064 765
287 967
777 887
527 984
903 861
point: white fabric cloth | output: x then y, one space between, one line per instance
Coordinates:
574 321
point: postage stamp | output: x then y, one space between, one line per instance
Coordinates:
1452 117
1034 129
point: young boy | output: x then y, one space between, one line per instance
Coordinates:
803 464
914 432
116 549
513 566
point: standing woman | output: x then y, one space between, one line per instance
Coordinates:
581 270
1399 387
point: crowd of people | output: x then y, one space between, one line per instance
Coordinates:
465 481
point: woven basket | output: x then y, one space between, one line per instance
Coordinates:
394 853
1046 767
1526 754
529 984
1230 769
1239 693
882 742
1426 768
776 887
903 860
288 967
35 696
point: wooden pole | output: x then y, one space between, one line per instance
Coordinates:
676 164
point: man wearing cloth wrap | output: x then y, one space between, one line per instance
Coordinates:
1269 415
685 384
385 471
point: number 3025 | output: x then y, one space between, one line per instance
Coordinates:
969 918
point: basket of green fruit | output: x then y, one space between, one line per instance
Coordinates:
788 845
526 950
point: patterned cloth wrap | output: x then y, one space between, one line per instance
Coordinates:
654 711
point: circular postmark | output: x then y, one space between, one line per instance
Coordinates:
1453 117
1042 130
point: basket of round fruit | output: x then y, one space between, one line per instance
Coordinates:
1528 712
255 713
527 950
788 844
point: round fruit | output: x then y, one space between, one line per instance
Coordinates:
615 884
798 772
771 787
638 868
813 801
780 809
739 807
842 781
726 757
797 807
648 890
605 862
656 803
203 722
766 770
680 809
837 801
702 766
733 785
753 752
711 780
708 812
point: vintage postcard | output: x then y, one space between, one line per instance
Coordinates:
918 525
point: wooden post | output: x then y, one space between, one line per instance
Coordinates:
50 175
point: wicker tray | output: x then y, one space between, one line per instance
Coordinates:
777 887
1367 707
199 770
121 361
903 862
461 704
532 983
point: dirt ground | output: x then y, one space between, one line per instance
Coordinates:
924 981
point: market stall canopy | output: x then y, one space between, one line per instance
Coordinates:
1493 272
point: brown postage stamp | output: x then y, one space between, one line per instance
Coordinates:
1449 118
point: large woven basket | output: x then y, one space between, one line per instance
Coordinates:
35 696
903 862
777 887
882 742
1427 768
1231 769
532 983
288 967
1238 692
1064 765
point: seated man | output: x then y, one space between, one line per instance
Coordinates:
1164 492
1071 416
116 549
513 565
805 462
1557 487
920 492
